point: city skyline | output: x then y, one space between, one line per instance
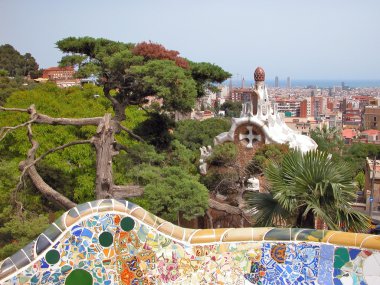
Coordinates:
303 83
321 40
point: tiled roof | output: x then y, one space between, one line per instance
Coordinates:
349 133
66 68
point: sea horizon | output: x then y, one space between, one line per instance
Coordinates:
319 83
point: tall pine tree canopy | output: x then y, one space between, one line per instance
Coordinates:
131 72
16 64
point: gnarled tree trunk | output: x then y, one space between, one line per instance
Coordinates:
103 142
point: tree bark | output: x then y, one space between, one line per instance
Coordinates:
44 119
119 112
48 192
118 107
103 142
126 191
224 207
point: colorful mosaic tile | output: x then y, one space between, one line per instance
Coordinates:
116 242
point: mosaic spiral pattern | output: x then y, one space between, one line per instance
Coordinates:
116 242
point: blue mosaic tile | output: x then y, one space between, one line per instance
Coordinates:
326 264
353 252
144 256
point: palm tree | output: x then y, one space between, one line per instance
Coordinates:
305 187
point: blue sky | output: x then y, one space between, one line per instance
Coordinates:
324 39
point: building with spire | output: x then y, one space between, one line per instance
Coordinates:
259 123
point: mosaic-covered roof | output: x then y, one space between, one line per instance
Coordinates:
118 242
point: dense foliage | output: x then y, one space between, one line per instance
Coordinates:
223 154
16 64
194 134
8 85
170 191
231 108
357 153
70 171
331 141
13 69
264 155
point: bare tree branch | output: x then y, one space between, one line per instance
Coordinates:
126 191
34 143
232 210
224 207
231 184
44 119
48 192
5 130
14 109
132 134
51 151
20 207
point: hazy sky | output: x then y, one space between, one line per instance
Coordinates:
303 39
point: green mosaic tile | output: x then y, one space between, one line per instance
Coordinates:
52 256
341 257
105 239
127 224
79 277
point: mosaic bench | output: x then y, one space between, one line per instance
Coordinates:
117 242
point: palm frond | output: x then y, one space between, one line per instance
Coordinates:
266 210
310 183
